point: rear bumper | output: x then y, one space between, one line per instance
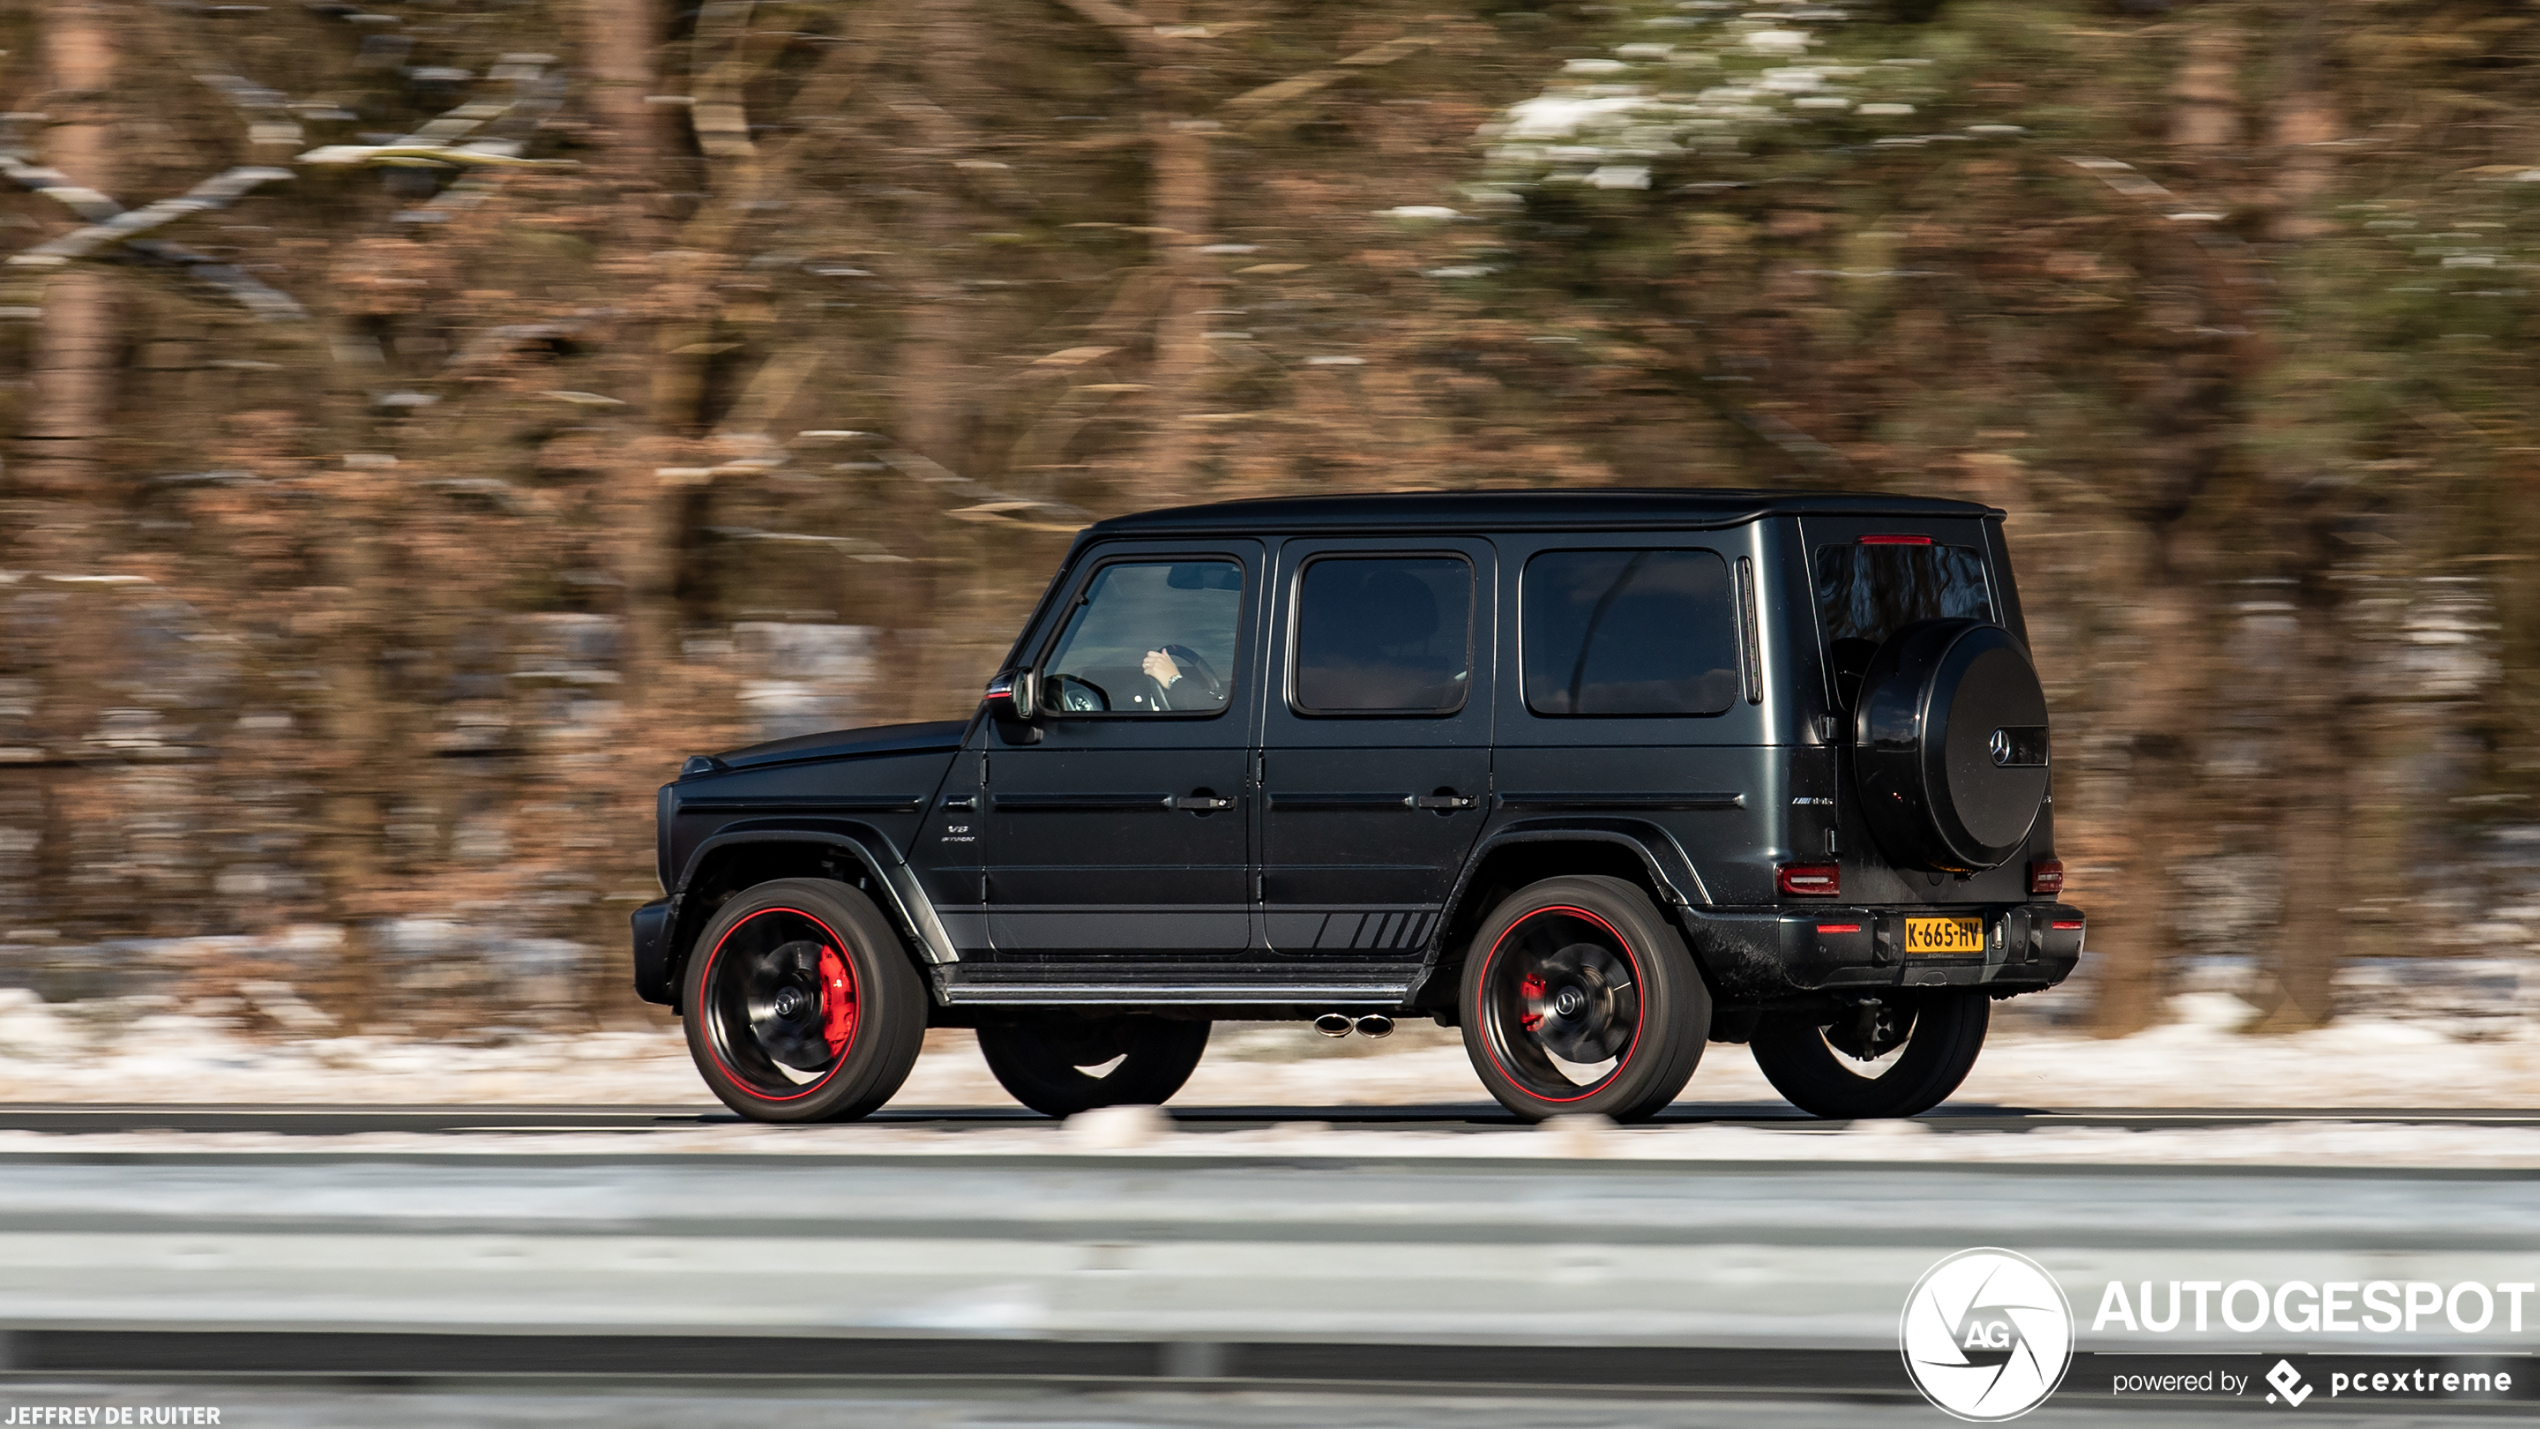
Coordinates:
1778 952
652 924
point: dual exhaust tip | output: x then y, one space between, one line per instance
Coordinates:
1341 1024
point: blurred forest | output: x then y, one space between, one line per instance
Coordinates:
427 420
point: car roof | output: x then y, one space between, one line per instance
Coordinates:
1597 507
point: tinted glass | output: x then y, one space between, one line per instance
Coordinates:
1384 634
1629 633
1865 593
1149 637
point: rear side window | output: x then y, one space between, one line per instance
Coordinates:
1629 633
1384 635
1869 590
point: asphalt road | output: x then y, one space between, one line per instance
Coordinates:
1472 1117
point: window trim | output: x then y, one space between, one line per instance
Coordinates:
1081 592
1294 624
1738 633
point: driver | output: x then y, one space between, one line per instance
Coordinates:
1180 691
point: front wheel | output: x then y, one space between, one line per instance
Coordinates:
801 1005
1578 997
1059 1066
1878 1059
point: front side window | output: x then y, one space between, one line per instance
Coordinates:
1629 633
1148 637
1870 589
1384 635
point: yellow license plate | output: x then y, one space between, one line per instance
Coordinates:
1944 935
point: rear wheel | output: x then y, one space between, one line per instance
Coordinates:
1880 1059
1578 997
801 1005
1059 1066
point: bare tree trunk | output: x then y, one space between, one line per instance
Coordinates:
2321 764
2130 933
2317 770
621 39
1183 205
2188 417
2207 113
2306 123
74 377
358 746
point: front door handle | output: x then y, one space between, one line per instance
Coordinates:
1199 802
1443 801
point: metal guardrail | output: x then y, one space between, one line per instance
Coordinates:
1245 1250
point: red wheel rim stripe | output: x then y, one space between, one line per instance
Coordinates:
705 982
1640 1003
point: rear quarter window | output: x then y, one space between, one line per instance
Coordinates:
1629 632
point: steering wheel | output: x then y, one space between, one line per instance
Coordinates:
1074 694
1204 672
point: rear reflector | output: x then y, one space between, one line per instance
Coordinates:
1838 927
2071 927
1810 880
1896 540
2046 877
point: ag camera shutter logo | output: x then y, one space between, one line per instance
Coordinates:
1987 1335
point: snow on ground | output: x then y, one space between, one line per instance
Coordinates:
1147 1133
96 1052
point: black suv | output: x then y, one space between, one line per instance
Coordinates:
1597 776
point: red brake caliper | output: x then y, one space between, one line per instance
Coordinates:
837 1001
1531 989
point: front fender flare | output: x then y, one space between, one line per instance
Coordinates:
904 898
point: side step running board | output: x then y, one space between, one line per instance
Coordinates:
1385 994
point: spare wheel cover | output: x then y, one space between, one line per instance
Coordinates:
1951 745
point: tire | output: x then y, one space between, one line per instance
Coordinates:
801 1003
1799 1056
1601 944
1042 1061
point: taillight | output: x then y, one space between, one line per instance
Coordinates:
1896 540
1810 880
2046 877
1838 927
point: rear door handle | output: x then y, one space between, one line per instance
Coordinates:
1200 802
1443 801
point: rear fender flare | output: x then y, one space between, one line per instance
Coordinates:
1671 871
1671 874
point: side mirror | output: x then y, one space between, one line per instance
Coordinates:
1012 699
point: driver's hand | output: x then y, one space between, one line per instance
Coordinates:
1160 667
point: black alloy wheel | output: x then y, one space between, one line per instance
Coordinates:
801 1004
1893 1057
1059 1065
1578 997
